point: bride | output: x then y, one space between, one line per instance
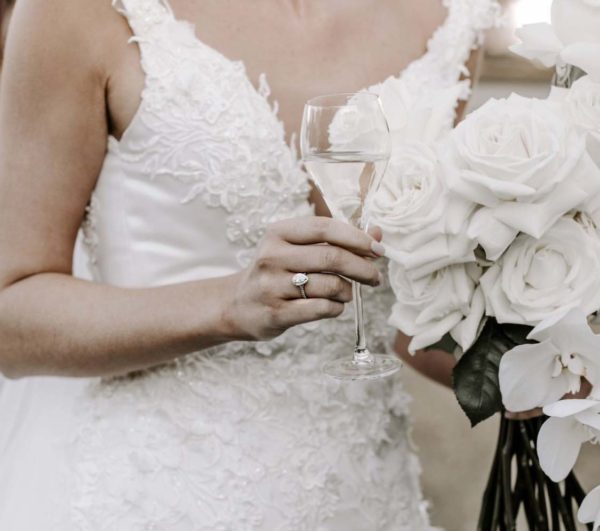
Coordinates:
199 402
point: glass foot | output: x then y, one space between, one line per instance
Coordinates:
379 366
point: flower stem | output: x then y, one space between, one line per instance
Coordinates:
545 504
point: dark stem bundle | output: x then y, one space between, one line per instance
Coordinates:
518 483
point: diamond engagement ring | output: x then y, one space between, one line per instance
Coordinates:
300 280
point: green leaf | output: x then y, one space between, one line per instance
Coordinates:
476 374
447 344
517 334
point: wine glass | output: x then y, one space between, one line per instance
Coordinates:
346 145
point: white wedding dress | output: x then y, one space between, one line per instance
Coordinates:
244 436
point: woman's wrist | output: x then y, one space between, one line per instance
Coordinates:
228 325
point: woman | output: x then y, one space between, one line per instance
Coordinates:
203 405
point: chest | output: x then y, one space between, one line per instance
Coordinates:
304 48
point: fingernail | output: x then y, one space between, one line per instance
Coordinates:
378 248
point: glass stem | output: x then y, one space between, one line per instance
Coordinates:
362 356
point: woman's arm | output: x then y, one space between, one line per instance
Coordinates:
53 133
435 364
52 142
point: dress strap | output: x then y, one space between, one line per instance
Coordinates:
463 32
144 16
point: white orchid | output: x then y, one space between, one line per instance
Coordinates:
537 374
573 37
571 423
589 512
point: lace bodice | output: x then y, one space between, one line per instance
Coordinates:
243 436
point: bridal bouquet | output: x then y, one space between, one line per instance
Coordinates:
493 233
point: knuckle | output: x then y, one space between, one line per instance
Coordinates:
267 256
321 227
346 295
336 285
265 283
263 262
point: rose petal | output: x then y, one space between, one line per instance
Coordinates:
584 55
493 235
434 332
539 43
536 218
465 332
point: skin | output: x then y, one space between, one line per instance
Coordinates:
52 145
5 12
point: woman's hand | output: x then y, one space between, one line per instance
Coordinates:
265 303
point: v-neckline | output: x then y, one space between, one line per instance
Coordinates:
263 94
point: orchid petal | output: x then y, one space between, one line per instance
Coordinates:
557 324
526 377
559 443
590 417
590 509
568 408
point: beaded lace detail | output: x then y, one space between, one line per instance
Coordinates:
209 128
248 436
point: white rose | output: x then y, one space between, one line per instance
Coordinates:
583 107
537 277
526 168
576 20
430 307
415 115
573 37
424 226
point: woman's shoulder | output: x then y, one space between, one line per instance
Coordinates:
81 31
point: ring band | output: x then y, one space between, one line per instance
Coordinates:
300 280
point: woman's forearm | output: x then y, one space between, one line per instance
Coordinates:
435 364
54 324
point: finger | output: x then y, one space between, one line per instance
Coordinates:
301 311
319 286
330 259
313 230
375 232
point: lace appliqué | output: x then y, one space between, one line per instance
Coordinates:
90 235
205 125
